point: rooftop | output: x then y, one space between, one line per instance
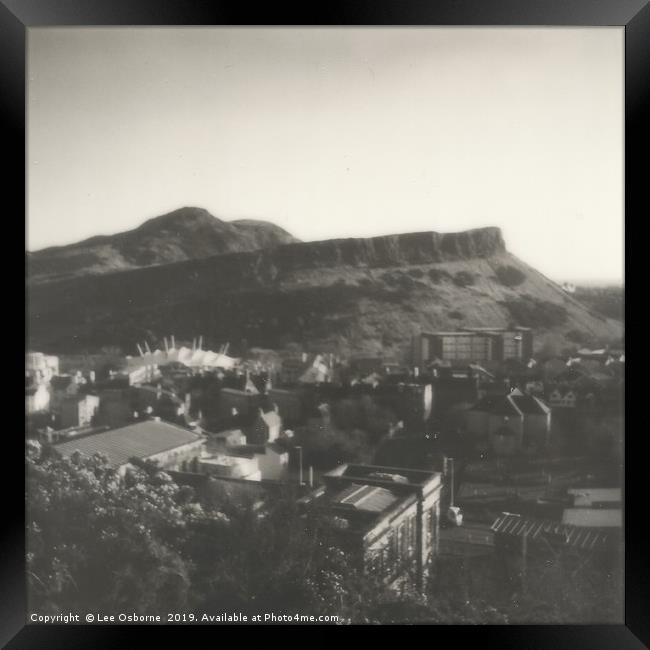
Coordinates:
593 517
361 495
587 539
140 440
381 475
585 497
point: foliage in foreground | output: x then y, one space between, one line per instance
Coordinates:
146 545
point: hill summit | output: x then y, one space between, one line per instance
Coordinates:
184 234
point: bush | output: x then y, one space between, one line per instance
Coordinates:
456 315
416 273
438 275
463 279
531 312
576 336
510 276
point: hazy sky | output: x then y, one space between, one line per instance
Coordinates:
338 132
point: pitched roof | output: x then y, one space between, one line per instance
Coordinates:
497 405
272 419
141 440
530 405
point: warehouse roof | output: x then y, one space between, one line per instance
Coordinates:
140 440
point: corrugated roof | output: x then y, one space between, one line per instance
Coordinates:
141 440
583 538
368 498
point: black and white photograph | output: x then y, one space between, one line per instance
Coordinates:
325 325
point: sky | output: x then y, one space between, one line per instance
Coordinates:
335 132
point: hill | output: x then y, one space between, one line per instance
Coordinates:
184 234
354 296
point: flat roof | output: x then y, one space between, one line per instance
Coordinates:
140 440
382 475
588 496
593 517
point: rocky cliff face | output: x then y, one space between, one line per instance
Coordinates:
354 296
389 250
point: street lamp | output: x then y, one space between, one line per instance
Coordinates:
451 481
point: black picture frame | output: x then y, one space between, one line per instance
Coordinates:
17 16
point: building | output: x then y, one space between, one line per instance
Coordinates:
243 402
140 370
265 426
461 384
593 517
387 518
62 387
219 442
78 411
171 446
515 535
37 398
289 405
596 497
562 398
508 424
365 366
272 459
292 369
40 368
474 345
411 403
221 465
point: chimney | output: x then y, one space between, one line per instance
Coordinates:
173 342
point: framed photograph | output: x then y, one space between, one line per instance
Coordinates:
325 319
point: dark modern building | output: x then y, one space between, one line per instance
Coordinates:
473 345
387 518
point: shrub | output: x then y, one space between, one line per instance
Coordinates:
463 279
456 315
531 312
510 276
438 275
416 273
576 336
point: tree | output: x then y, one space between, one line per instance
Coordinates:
96 542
